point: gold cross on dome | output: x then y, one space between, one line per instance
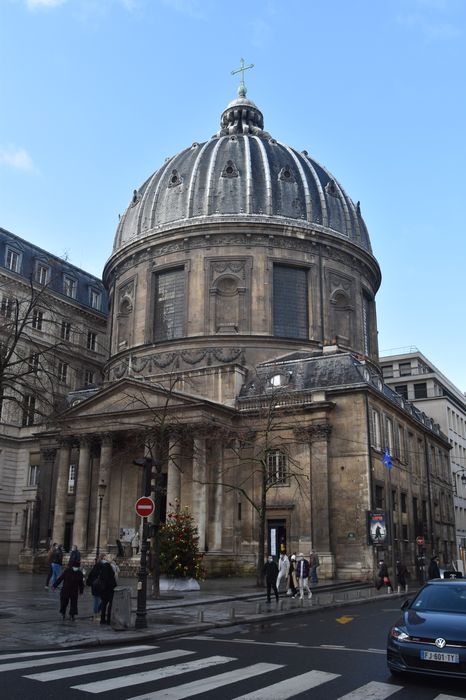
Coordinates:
242 87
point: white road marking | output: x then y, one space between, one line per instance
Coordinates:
107 665
289 687
73 657
149 676
442 696
372 691
204 685
23 654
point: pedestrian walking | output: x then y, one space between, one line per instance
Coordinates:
302 574
73 585
94 583
292 582
271 573
313 564
116 569
383 578
57 561
50 554
75 556
135 543
402 574
433 571
283 569
107 587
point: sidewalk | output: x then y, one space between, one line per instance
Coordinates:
29 616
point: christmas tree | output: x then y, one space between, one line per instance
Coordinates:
179 547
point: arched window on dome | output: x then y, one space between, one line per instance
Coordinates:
341 313
290 301
169 306
368 323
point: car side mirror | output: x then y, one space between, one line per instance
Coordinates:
405 604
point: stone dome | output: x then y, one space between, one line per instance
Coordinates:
241 172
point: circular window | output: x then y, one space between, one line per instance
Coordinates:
229 170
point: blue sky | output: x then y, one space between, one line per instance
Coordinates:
97 93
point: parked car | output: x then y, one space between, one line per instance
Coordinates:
430 636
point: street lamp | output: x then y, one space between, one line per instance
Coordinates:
100 494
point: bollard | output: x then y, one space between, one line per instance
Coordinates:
389 590
232 614
406 588
200 616
398 590
281 604
258 608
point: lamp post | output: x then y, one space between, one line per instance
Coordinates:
100 494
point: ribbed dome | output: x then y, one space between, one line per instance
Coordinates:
241 172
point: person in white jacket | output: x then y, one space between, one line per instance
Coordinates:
283 569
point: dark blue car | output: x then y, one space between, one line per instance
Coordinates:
430 636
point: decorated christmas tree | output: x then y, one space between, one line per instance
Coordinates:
179 547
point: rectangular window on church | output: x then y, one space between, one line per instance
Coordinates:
375 429
277 470
290 302
367 304
169 316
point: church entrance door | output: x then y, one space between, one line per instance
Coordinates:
276 537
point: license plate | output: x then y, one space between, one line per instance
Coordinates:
440 656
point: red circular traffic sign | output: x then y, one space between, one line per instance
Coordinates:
145 506
419 540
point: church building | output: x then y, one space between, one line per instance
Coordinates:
243 360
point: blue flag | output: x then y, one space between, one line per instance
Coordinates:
387 459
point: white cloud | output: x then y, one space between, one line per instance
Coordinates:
16 157
33 4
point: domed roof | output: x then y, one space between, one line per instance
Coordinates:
241 172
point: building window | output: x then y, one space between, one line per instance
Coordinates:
29 409
42 273
367 322
404 529
402 390
290 302
37 319
394 503
71 478
403 502
12 260
375 429
91 340
379 497
387 372
95 299
7 307
62 371
169 317
389 434
69 287
65 332
33 479
88 377
277 472
405 369
420 390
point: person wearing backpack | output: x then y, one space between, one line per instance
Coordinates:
103 583
93 580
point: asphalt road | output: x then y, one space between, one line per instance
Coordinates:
330 654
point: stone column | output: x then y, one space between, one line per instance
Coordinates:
199 496
81 506
320 525
104 479
59 518
218 505
174 473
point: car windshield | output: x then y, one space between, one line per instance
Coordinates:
442 598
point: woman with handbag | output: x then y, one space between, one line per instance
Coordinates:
383 578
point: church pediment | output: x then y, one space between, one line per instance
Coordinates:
129 397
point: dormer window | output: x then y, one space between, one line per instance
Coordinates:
95 299
69 287
42 273
13 260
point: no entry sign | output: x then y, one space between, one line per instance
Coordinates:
145 506
419 541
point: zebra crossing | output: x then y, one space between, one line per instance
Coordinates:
151 667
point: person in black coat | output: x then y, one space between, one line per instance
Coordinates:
271 573
73 585
433 571
102 582
383 578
